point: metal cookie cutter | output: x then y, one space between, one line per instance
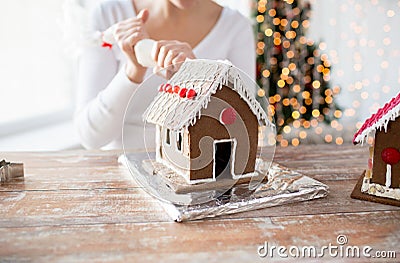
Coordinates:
10 171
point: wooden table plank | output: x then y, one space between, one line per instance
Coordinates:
222 239
66 207
325 162
96 206
68 178
77 158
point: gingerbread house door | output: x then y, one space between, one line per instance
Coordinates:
224 153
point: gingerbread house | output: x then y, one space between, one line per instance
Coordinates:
382 130
207 121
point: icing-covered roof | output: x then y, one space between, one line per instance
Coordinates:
203 78
379 120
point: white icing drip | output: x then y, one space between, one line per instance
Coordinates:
388 175
206 77
382 123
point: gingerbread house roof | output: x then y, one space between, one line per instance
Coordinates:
379 120
180 101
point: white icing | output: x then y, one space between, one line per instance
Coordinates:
206 77
388 175
380 190
382 123
182 172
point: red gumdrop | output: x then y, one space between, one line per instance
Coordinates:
228 116
161 88
390 155
191 93
168 88
176 89
182 92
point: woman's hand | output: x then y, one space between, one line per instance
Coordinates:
127 33
169 55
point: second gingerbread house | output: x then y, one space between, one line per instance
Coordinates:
382 177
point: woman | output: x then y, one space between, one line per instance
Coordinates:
108 77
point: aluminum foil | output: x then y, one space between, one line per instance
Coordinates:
283 186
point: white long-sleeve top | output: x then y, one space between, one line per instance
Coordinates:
104 90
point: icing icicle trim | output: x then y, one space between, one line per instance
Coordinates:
379 120
205 77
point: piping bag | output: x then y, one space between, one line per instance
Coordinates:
142 48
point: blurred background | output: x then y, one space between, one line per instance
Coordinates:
323 66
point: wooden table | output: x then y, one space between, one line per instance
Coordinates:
84 205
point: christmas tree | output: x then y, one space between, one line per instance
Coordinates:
293 73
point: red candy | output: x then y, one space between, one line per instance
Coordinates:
191 93
165 87
176 89
228 116
390 155
182 92
168 88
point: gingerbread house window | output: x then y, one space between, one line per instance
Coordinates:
168 137
179 141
